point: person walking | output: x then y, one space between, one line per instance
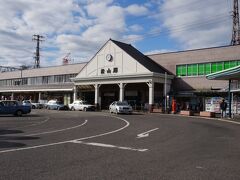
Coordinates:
223 107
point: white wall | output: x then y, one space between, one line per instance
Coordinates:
121 60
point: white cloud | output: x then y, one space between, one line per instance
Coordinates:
196 24
136 28
137 10
132 38
76 26
158 51
82 26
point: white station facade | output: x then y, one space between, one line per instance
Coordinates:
120 72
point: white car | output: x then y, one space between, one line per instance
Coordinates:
80 105
120 107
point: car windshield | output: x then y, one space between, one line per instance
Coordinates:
58 102
122 103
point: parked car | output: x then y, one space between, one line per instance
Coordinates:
27 103
13 107
54 104
81 106
32 105
120 107
37 106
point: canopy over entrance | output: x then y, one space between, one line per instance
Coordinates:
228 74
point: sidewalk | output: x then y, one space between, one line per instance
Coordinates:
236 118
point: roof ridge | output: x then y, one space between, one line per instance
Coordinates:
144 60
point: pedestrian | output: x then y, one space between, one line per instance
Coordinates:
223 107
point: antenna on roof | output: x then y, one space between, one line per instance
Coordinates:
67 59
236 28
38 38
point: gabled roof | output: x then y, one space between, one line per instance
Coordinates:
141 58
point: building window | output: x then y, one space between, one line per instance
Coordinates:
181 70
207 68
58 79
226 65
233 64
201 69
24 81
45 79
115 70
102 71
192 70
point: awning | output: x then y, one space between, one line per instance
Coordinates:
228 74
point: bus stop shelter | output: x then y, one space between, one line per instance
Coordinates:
230 75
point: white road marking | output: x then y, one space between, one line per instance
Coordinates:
109 146
70 141
146 134
35 124
30 125
111 132
60 130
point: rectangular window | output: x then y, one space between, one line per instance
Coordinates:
214 68
24 81
45 79
194 70
233 64
189 70
181 70
201 69
226 65
219 66
58 78
207 68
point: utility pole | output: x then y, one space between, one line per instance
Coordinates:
236 28
38 38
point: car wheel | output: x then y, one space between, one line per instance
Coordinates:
72 109
84 109
19 113
33 107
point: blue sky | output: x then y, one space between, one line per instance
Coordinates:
81 27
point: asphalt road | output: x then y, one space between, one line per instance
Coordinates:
93 145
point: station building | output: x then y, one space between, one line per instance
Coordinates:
118 71
40 84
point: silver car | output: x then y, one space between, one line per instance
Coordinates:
120 107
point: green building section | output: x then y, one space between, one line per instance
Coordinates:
201 69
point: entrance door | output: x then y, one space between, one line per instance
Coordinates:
107 98
108 94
